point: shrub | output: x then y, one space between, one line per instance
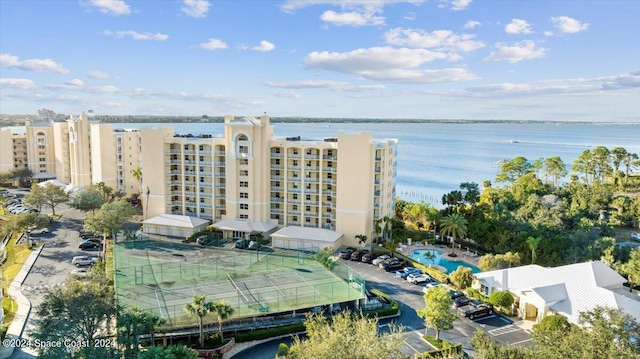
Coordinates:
553 323
501 299
462 277
269 332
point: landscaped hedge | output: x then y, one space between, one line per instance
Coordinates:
269 332
392 309
445 349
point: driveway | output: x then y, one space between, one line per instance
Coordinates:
500 328
53 265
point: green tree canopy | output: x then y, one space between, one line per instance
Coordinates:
109 218
53 196
454 225
222 311
22 222
132 323
513 169
87 199
435 313
78 311
462 277
170 352
501 299
345 337
632 268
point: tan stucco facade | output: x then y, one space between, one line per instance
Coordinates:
40 149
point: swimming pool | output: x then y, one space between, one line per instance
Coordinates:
449 265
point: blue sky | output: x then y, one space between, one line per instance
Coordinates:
439 59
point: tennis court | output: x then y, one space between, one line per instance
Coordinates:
162 276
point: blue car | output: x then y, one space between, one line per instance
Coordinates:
407 271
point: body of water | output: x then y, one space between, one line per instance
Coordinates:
434 158
437 258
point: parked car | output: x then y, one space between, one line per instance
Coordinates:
357 255
88 245
418 278
37 231
14 205
380 259
369 257
460 301
86 234
17 210
476 309
242 244
635 236
346 253
265 249
388 260
430 285
392 267
96 240
406 271
80 261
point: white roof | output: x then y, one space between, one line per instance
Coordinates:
568 289
307 233
174 220
244 225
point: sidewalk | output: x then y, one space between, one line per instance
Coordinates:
24 306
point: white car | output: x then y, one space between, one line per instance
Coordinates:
418 278
380 259
635 236
39 231
80 261
429 286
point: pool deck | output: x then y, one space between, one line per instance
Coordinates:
463 256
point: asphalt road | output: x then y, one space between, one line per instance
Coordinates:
53 266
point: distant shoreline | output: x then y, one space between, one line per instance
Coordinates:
19 120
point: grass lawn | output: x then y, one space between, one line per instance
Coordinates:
17 254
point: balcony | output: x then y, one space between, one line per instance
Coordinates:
312 168
221 185
220 173
277 155
291 200
310 225
174 203
329 169
293 213
311 191
220 164
311 214
277 178
204 184
205 152
312 179
311 157
329 216
277 189
328 204
205 163
190 183
277 166
293 179
221 153
277 210
378 158
293 155
189 162
206 194
329 227
378 170
172 151
173 172
189 152
294 190
329 180
205 205
294 167
277 199
329 193
330 158
220 206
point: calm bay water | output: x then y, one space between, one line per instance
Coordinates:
434 158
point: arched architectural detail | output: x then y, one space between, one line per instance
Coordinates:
242 145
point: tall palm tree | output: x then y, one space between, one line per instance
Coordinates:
533 244
454 225
386 228
201 308
223 312
137 174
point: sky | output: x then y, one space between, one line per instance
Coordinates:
553 60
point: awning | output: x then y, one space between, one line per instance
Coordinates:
308 233
174 220
244 225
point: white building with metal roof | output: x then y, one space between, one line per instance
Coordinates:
566 290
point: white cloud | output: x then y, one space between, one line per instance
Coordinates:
213 44
195 8
39 65
75 82
568 25
458 5
286 94
293 5
23 84
420 76
410 16
352 18
98 75
325 84
524 50
372 59
265 46
388 64
136 35
472 24
518 26
440 40
112 7
548 33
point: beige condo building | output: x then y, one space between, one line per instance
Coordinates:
342 183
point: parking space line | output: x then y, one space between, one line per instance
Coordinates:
520 342
504 330
483 318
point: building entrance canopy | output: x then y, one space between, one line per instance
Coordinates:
244 225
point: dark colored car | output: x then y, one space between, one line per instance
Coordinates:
460 301
86 234
346 254
394 265
265 249
357 255
475 309
95 240
242 244
88 245
369 257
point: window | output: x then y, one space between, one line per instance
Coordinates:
329 198
295 151
243 149
243 161
201 158
329 187
329 175
244 216
308 198
308 208
244 184
277 161
244 195
295 162
295 207
244 206
295 196
308 219
295 218
244 172
201 148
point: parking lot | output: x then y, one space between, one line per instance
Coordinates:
500 328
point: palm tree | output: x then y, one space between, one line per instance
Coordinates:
137 174
362 239
386 228
533 244
146 205
201 308
223 312
377 228
454 225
